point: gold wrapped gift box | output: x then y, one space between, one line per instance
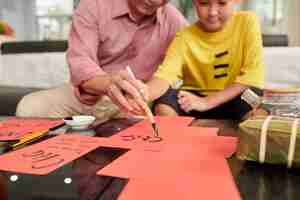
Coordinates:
270 139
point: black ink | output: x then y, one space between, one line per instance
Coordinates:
148 139
44 157
128 137
33 154
153 139
59 161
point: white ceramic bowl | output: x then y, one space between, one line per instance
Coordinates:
80 122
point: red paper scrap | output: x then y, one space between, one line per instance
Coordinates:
213 184
187 158
141 135
162 123
188 163
16 128
144 141
45 157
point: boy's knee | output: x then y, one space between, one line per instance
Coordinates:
164 110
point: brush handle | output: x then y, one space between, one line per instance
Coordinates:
144 104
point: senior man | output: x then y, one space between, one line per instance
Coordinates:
106 36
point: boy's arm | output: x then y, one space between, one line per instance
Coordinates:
170 70
252 70
225 95
157 87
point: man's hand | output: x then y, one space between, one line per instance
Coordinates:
138 107
189 102
123 87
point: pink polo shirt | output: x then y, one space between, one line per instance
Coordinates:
104 38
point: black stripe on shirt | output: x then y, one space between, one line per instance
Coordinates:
221 54
221 66
220 75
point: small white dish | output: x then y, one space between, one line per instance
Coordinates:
79 122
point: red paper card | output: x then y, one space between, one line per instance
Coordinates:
183 165
189 158
213 184
45 157
171 130
15 129
164 123
143 141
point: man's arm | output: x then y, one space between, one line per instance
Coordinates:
82 54
86 72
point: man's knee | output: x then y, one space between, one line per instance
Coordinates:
31 105
57 102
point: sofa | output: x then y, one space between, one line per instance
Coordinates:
34 69
26 67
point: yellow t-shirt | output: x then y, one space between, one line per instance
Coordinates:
209 62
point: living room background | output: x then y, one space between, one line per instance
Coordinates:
51 19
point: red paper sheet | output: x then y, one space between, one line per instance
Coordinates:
172 130
150 143
15 129
45 157
214 183
189 163
188 158
164 123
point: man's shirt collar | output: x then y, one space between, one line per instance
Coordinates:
121 8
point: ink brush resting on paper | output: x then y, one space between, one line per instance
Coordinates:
251 98
146 108
31 137
34 136
254 100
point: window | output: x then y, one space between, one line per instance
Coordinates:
38 19
53 19
271 14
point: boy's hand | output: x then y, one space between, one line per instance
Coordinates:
189 102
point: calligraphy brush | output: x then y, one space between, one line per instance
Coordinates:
251 98
146 108
34 136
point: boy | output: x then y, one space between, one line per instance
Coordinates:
217 58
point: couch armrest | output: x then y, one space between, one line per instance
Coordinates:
10 97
